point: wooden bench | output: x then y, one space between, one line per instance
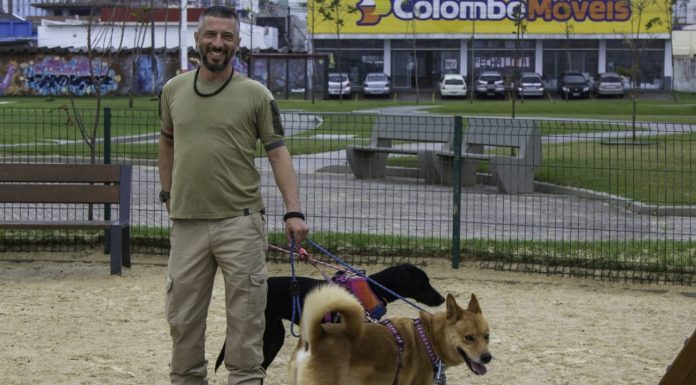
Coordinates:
74 184
512 169
370 161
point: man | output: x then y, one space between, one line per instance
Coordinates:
211 122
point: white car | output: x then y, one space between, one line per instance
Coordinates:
339 83
452 85
377 83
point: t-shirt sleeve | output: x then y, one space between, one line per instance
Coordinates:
271 130
166 125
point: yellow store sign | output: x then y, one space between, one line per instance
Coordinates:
488 16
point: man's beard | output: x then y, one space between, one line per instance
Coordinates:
219 66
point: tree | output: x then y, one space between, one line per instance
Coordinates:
520 23
637 47
333 12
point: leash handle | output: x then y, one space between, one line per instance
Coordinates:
294 290
362 274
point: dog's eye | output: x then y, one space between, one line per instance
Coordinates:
469 338
487 337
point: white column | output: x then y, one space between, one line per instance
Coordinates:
183 39
669 71
387 56
602 65
539 57
463 55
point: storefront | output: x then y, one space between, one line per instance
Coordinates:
417 41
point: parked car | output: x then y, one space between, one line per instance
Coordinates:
339 83
452 85
608 84
572 84
377 83
490 83
530 84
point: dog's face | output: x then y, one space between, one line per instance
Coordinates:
467 335
418 286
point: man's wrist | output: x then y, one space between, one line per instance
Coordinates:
164 196
293 214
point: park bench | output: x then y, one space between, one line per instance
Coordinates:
368 162
512 148
32 186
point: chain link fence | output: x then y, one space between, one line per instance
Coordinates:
603 199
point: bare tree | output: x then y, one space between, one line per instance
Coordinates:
520 23
335 13
637 45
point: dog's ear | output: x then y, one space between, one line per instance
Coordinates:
453 310
474 305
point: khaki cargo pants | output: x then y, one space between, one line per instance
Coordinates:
238 246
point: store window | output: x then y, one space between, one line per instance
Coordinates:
649 54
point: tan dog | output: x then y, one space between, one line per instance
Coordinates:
358 353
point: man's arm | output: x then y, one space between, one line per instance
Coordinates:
166 161
286 179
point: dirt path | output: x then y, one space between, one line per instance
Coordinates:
64 320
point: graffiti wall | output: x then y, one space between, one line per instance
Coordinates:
70 74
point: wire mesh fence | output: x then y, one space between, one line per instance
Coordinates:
603 199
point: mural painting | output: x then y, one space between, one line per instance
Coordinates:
56 76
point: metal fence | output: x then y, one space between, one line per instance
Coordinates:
609 199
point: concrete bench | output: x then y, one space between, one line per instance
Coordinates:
512 169
368 162
74 185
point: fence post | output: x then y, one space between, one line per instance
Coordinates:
107 160
456 191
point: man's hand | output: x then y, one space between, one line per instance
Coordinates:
296 228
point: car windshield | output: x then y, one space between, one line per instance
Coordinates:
575 79
337 78
454 82
491 78
611 79
376 78
531 79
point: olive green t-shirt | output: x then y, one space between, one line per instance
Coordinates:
215 139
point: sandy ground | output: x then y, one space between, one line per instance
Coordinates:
65 320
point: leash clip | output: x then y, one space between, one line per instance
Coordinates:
440 376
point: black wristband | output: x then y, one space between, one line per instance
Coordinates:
293 214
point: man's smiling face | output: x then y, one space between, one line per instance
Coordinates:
217 42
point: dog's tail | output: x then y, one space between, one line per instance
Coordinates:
326 299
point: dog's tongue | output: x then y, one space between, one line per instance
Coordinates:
478 368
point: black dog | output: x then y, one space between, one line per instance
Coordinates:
406 280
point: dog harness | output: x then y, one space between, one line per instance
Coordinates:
399 344
361 289
438 366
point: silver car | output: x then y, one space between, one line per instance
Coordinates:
608 84
530 84
377 83
490 83
339 83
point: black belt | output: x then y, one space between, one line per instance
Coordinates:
249 212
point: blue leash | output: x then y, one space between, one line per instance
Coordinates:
294 291
295 288
360 273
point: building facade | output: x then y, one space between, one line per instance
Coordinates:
417 41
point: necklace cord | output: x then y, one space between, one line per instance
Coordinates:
222 87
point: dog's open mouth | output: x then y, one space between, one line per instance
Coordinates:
475 367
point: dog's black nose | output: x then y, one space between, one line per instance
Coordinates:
486 358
